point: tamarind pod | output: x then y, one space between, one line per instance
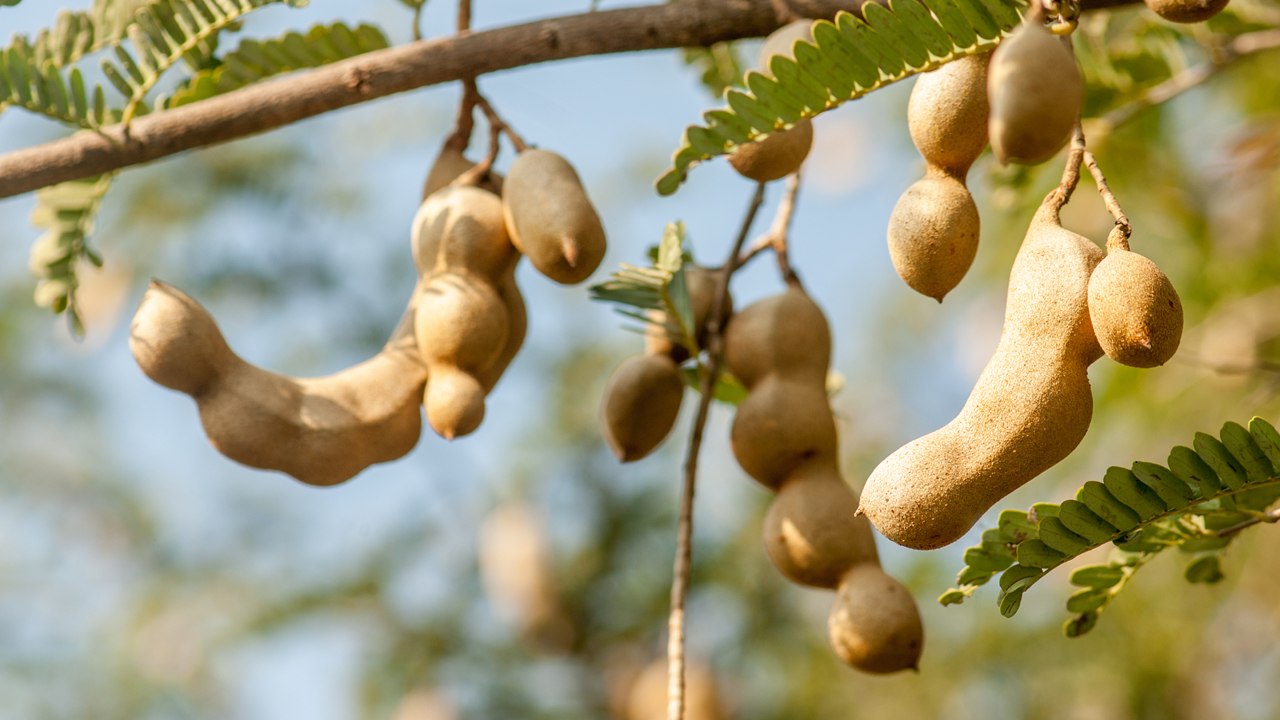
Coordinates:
785 333
778 155
1035 90
1030 408
1079 519
1186 11
812 532
550 219
462 227
641 402
1099 499
321 431
874 623
947 114
933 234
451 163
517 327
1174 492
462 328
781 424
1135 310
1125 487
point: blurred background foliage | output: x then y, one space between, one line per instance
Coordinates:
522 573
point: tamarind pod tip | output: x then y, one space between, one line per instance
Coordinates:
570 249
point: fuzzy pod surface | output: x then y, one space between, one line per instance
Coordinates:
641 402
1030 408
947 114
1186 11
874 623
933 234
1036 91
550 219
1136 312
812 532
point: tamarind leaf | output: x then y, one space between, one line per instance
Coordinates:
1258 498
921 25
1058 536
1126 488
1010 602
1019 577
1097 498
1035 553
974 576
846 56
787 106
1265 434
1206 570
953 21
1204 543
728 389
1077 626
1083 601
896 34
1017 525
1191 468
1175 493
728 125
824 71
1241 445
1004 12
1097 577
871 44
995 540
67 212
706 140
979 559
1220 459
721 64
801 84
952 597
754 112
1044 510
1079 519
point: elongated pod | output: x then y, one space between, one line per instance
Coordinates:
641 402
321 431
550 219
947 114
1036 91
1031 406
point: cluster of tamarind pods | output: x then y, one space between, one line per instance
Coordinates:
464 324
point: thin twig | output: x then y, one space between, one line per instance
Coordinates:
1220 57
496 121
1119 236
464 17
1071 173
684 532
417 22
778 236
1271 517
460 138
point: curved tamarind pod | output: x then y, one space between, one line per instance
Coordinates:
462 327
1036 91
785 333
1029 409
1186 11
812 531
462 227
451 163
550 219
321 431
780 153
947 114
782 423
1135 311
933 234
874 624
641 402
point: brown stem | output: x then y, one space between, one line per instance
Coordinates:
417 22
1071 173
784 12
496 121
684 531
460 138
464 17
1119 236
778 236
1271 517
266 106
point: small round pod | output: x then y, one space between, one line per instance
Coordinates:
812 532
1186 11
1036 92
550 219
947 114
641 402
462 328
781 424
451 163
1135 310
780 153
933 234
785 333
874 623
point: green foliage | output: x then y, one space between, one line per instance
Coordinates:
1198 504
662 288
721 66
847 59
255 60
67 211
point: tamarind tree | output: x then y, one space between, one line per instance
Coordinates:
531 575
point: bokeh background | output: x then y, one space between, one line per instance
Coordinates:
522 572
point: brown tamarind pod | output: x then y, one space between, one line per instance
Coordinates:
947 114
1030 408
812 531
1186 11
780 153
641 402
933 234
874 624
1036 92
785 333
1135 311
550 219
449 164
462 227
517 327
321 431
782 423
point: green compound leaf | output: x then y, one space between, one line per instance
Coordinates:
847 59
67 212
1196 505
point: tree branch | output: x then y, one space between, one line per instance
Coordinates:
274 104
